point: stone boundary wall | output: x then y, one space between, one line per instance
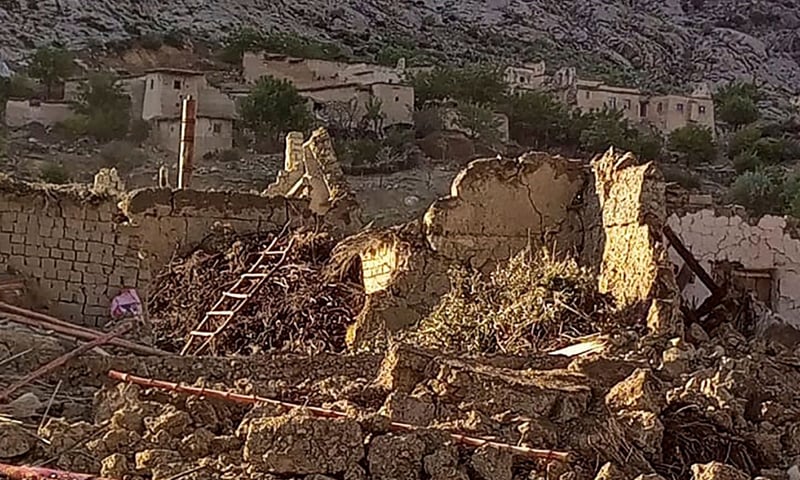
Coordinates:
76 249
769 243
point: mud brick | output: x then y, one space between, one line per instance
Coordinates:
50 242
78 297
66 244
82 235
75 277
30 250
20 227
79 246
65 295
94 247
58 222
23 218
68 255
94 267
48 264
45 222
42 252
55 253
81 265
17 249
63 265
5 241
33 262
92 215
109 238
17 238
96 236
82 256
96 258
58 232
120 251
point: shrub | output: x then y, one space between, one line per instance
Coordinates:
230 155
479 123
54 173
18 86
743 139
174 38
694 143
427 121
139 130
482 84
537 119
776 150
151 41
243 40
682 177
74 127
519 308
746 161
121 155
757 191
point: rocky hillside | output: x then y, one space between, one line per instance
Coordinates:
654 42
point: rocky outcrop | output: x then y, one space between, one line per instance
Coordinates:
671 42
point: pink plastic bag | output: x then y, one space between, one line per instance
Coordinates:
126 303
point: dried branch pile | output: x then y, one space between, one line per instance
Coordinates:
299 308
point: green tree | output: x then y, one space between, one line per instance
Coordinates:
605 128
746 161
646 143
274 108
737 103
104 107
538 119
482 84
479 123
776 150
758 191
694 143
51 65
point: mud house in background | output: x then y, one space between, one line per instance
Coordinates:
312 73
528 76
156 97
665 112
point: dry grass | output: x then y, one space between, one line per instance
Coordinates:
532 303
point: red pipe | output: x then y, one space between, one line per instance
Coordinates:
13 472
530 453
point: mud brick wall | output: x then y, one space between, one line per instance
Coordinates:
76 250
766 244
497 207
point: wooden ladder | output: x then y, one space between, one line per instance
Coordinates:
233 300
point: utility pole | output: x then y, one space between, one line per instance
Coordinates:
186 160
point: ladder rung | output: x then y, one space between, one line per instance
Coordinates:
201 334
255 275
241 296
221 313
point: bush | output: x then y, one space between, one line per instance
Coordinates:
746 161
54 173
776 150
121 155
74 127
682 177
694 143
427 121
743 140
479 123
518 309
757 191
174 38
18 86
151 41
139 131
230 155
481 84
243 40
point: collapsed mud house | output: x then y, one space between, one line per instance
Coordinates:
663 389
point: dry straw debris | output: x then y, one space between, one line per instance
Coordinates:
532 303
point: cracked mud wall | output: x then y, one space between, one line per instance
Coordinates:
76 249
635 266
765 244
496 207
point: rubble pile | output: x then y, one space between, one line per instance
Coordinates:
307 304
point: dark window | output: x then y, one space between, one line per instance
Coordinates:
679 107
152 84
396 99
176 84
626 104
217 128
612 102
660 107
701 109
521 79
587 93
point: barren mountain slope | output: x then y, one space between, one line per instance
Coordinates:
660 41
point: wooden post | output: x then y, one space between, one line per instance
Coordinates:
185 162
